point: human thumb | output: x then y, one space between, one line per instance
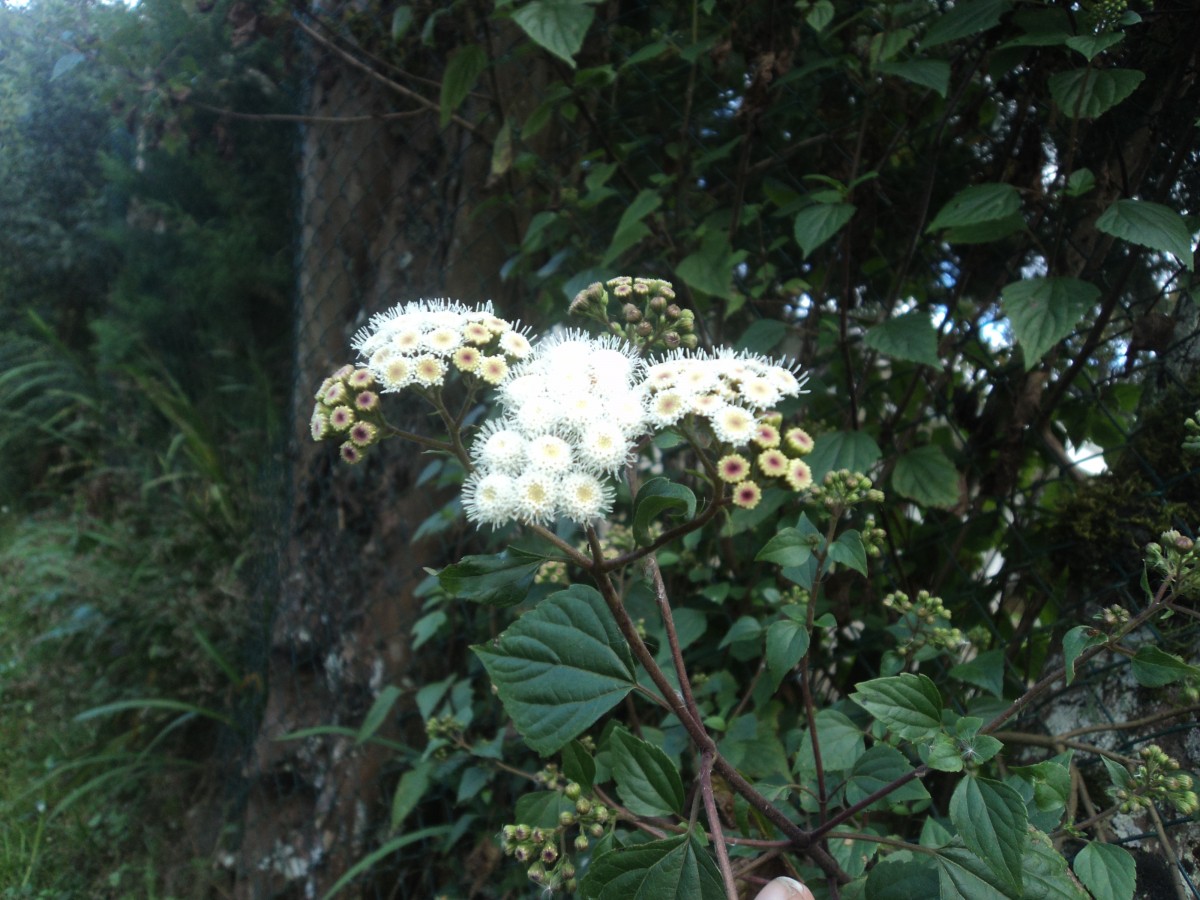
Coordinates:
784 888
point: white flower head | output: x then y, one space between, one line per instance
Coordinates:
584 497
734 425
604 447
489 498
537 497
499 448
549 453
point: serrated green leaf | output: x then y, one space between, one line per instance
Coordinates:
816 224
1043 311
378 713
746 628
787 642
558 26
656 496
877 768
926 476
560 667
841 743
541 809
991 819
462 71
853 450
788 547
1080 182
1153 667
499 579
986 671
1087 93
964 20
762 336
630 229
910 337
1108 871
848 550
943 754
710 269
909 705
976 204
647 780
1045 872
1092 45
1075 642
578 765
1051 781
984 232
902 876
819 15
672 869
964 876
930 73
1148 225
1117 773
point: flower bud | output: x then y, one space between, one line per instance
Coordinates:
573 791
690 341
671 339
597 830
601 813
581 842
658 303
549 854
537 872
522 832
583 806
673 311
644 329
631 313
566 818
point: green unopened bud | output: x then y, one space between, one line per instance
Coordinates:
597 830
671 339
583 806
673 312
537 872
644 329
581 842
690 341
573 791
658 303
522 832
631 313
566 818
549 854
538 836
601 813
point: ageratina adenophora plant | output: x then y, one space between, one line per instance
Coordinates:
617 452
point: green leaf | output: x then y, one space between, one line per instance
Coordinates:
848 550
1092 45
902 877
412 787
558 26
402 20
1043 311
926 476
909 705
910 337
789 547
560 667
541 809
378 713
985 232
964 876
630 229
578 765
746 628
647 780
1080 182
462 71
426 627
762 336
841 743
944 754
963 20
1051 781
877 768
368 862
1117 773
674 869
1153 667
710 269
1045 874
1106 870
819 15
501 579
1075 642
816 224
986 671
1087 93
976 204
991 819
930 73
656 496
853 450
1148 225
787 642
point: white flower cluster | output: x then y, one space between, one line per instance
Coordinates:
572 412
417 344
730 390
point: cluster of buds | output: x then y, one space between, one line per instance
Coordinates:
444 732
1113 617
545 851
1176 557
1191 442
649 317
348 407
924 626
873 537
1157 778
842 489
776 457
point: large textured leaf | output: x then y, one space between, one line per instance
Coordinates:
673 869
964 876
501 579
559 667
986 671
877 768
909 705
787 642
902 877
930 73
816 224
1149 225
541 809
853 450
910 337
1088 93
556 25
977 204
1106 870
1153 667
1043 311
1045 875
926 476
991 818
788 547
962 20
647 780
